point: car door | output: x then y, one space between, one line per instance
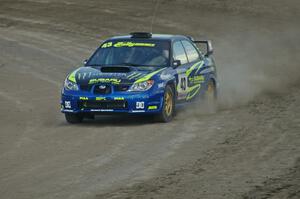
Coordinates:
179 54
193 74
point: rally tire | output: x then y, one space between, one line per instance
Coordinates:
73 118
168 108
210 97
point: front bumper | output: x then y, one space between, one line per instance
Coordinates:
121 102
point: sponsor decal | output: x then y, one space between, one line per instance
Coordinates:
105 80
83 98
127 44
100 98
119 98
196 79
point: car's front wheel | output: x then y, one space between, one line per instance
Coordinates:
74 118
168 108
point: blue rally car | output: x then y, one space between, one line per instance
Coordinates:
141 73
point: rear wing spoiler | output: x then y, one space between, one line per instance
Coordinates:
207 43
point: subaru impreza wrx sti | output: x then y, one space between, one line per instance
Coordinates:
140 73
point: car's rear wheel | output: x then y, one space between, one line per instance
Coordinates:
74 118
168 108
210 97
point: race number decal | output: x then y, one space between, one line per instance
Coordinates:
182 83
182 86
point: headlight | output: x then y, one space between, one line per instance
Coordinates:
142 86
69 85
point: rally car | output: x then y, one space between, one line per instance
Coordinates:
140 73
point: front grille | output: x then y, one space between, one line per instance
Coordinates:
99 89
105 104
102 89
85 87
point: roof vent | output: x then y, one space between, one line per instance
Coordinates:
141 35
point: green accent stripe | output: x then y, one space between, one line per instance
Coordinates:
193 87
190 70
152 107
147 77
193 91
72 76
199 67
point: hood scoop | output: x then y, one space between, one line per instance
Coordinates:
115 69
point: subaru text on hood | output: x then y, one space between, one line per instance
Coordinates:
141 73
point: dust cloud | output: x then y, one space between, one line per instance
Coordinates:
255 44
257 62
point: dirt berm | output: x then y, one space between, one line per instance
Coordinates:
248 149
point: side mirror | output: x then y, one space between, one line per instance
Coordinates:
85 61
176 63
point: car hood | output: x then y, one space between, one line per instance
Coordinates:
112 74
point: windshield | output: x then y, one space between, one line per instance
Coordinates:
152 53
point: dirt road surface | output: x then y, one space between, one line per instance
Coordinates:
250 148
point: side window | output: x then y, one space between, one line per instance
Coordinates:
191 51
179 53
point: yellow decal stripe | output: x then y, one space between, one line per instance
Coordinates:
72 76
83 98
127 44
147 77
190 70
152 107
193 91
133 44
100 98
119 98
